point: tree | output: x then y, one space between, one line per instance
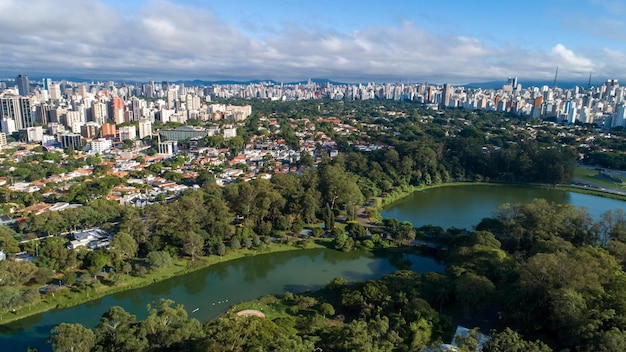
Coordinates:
235 243
72 338
510 341
235 145
221 249
158 259
326 309
125 244
193 244
119 330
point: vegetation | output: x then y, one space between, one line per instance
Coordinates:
507 260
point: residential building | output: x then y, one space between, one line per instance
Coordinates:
100 145
117 110
34 134
145 128
109 130
99 112
89 130
128 132
8 125
18 109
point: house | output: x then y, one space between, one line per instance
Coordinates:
92 239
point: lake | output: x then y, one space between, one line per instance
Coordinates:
465 206
214 289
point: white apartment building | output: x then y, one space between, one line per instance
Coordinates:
145 128
100 145
128 132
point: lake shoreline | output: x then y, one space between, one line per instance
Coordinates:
181 267
400 194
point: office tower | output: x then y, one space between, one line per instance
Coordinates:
42 113
47 82
70 140
23 85
3 139
446 94
17 109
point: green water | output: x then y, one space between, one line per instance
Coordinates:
466 206
214 289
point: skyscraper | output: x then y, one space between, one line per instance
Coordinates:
446 94
23 85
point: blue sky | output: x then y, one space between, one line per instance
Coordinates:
345 40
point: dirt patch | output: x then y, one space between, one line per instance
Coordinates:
251 312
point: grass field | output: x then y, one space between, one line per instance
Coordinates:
271 306
591 176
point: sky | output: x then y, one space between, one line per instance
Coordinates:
442 41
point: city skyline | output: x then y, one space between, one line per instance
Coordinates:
352 41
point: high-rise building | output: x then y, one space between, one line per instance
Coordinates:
109 130
55 91
128 132
100 145
99 112
145 128
446 94
89 130
23 85
82 91
17 109
8 126
3 139
34 134
70 140
42 112
47 82
117 110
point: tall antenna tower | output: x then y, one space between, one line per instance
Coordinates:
589 83
556 74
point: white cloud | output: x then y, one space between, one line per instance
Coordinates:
170 41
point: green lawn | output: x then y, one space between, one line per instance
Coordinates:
271 306
591 176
